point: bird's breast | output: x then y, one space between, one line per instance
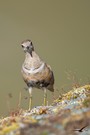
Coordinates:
40 77
33 70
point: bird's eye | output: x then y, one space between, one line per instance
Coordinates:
31 43
22 46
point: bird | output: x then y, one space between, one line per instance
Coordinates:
81 129
35 72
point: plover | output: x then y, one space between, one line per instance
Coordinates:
36 73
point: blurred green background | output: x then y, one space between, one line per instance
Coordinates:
60 31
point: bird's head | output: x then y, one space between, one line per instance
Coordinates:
27 46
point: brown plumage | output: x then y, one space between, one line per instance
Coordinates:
35 72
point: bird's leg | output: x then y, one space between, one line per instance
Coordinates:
30 100
45 97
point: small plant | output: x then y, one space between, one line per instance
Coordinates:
72 77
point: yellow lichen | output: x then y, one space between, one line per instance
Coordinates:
10 128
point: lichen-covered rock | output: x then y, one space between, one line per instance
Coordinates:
69 114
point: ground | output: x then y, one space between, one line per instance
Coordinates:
68 114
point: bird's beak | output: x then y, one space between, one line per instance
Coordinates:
30 53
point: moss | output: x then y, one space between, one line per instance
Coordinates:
8 129
86 102
87 87
75 96
44 133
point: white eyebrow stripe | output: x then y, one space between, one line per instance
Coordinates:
33 70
